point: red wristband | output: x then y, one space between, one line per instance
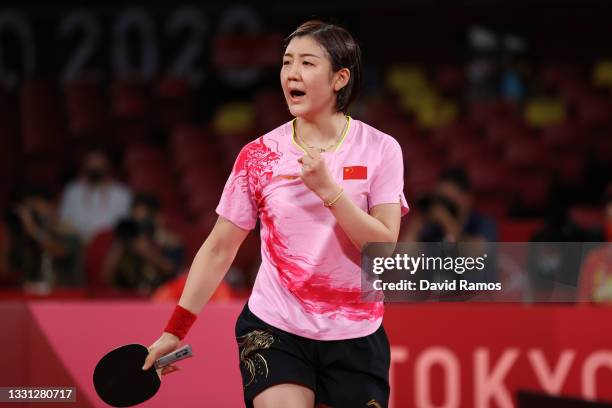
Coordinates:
180 322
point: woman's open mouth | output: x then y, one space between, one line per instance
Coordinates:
296 95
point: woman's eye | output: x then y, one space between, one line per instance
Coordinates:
286 62
307 63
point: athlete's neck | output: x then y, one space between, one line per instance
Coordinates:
321 131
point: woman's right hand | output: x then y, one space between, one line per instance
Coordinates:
165 344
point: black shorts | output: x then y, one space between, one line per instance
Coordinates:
342 373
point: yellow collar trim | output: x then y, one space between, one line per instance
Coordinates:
346 130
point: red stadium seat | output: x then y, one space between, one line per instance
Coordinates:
202 202
483 112
463 153
378 110
151 176
191 235
563 135
158 181
595 111
5 279
492 205
10 139
87 110
518 231
603 148
42 171
202 157
270 110
530 190
203 179
449 78
486 175
524 153
130 100
128 132
505 131
418 151
569 167
589 217
144 156
421 177
186 137
554 75
455 132
195 147
576 91
175 101
95 255
403 131
41 119
174 88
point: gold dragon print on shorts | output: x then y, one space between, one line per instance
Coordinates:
249 345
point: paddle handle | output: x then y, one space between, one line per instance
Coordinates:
178 354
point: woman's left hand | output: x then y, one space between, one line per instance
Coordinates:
316 176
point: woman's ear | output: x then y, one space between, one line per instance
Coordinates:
341 78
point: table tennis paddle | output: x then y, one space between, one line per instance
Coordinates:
120 380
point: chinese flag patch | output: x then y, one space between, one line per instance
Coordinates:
355 173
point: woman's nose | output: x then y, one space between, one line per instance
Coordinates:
293 71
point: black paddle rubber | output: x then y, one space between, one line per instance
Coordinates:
119 379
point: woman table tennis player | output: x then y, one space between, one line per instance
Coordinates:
322 186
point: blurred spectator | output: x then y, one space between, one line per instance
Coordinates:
38 250
483 67
512 84
447 216
596 272
448 213
95 201
554 262
145 253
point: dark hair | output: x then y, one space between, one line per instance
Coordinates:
343 52
31 191
97 148
456 176
147 200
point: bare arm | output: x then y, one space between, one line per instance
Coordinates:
209 266
54 247
381 225
211 263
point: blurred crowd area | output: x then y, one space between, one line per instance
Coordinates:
109 187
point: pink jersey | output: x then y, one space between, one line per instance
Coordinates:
309 281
